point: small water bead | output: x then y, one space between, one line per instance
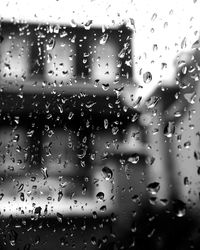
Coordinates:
147 77
179 208
100 196
60 195
44 172
152 102
103 209
103 39
149 160
107 173
169 129
153 188
22 196
187 144
59 217
134 159
88 24
51 43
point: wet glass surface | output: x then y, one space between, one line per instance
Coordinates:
99 128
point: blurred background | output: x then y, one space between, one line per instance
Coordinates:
99 137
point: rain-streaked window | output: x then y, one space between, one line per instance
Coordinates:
99 125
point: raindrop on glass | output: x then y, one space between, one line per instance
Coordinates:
153 187
50 43
103 39
107 173
100 196
147 77
169 129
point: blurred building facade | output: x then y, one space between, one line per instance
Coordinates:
75 140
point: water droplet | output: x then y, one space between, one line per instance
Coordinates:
197 155
155 47
51 43
131 24
153 187
147 77
105 86
177 114
22 196
169 129
186 181
136 103
103 209
103 39
94 215
196 44
20 188
107 173
88 24
122 53
187 144
1 196
153 18
105 123
90 104
129 62
60 195
44 172
64 184
115 130
63 34
135 117
73 40
100 196
190 97
93 240
183 43
184 69
134 159
164 202
152 102
59 217
49 58
183 84
16 138
70 116
12 237
38 211
179 208
113 217
149 160
30 133
73 23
